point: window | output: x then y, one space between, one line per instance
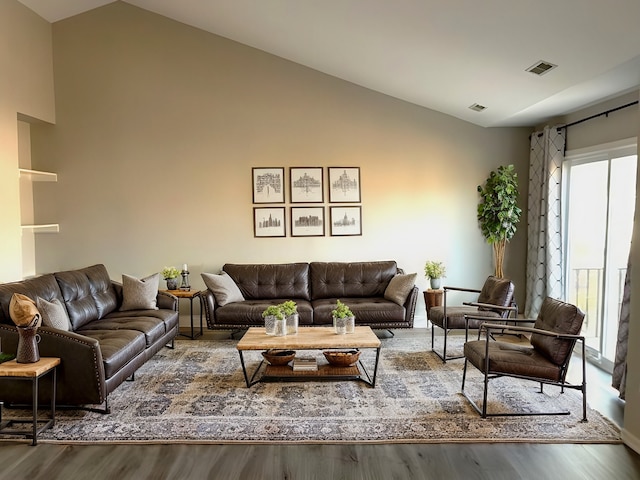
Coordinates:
600 190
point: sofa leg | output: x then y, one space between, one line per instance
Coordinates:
171 345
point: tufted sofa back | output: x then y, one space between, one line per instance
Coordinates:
88 294
267 281
357 279
44 286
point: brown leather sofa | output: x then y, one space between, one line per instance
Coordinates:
104 347
315 287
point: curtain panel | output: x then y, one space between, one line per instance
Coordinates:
544 272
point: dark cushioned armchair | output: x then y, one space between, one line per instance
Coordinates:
545 360
494 302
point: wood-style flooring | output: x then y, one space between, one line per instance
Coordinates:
512 461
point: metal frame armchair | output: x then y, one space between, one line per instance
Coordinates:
494 303
546 360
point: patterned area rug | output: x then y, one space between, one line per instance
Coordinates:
197 393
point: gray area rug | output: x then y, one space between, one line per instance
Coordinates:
196 393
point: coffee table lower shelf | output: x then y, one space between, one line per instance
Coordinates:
328 372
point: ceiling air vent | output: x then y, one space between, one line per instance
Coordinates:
476 107
541 67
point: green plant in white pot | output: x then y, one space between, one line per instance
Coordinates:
435 272
274 320
290 310
171 274
343 318
498 211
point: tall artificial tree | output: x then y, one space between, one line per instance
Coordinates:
498 211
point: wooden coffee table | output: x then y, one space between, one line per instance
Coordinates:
310 338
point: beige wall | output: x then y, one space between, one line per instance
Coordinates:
26 88
158 127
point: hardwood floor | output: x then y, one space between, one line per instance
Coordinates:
513 461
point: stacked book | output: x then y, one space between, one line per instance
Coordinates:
305 364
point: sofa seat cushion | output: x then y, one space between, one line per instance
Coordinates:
249 312
152 328
169 317
118 347
368 311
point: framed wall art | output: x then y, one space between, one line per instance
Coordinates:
307 221
346 221
344 184
269 222
306 184
268 185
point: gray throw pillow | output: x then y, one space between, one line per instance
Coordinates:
399 288
140 294
54 314
223 287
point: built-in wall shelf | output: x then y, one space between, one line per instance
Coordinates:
43 228
38 175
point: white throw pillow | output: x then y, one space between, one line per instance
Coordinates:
140 294
399 288
223 287
54 314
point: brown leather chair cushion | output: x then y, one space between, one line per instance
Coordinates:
497 291
557 316
456 316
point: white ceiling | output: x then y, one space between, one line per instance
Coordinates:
441 54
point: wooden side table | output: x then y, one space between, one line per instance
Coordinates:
432 298
30 372
190 294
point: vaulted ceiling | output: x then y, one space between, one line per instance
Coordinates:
443 55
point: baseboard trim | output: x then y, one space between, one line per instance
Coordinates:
630 440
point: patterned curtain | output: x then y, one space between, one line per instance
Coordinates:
544 248
619 377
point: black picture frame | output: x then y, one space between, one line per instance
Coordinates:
346 221
269 222
306 184
307 222
268 184
344 185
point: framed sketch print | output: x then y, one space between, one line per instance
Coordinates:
269 222
268 185
346 221
306 184
344 184
307 221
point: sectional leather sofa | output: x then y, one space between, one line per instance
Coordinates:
379 293
105 343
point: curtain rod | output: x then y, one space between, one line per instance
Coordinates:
598 115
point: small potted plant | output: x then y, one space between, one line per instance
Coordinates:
171 274
435 272
290 310
274 320
343 318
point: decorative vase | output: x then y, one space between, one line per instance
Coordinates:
280 327
270 324
340 325
172 283
435 283
292 324
28 339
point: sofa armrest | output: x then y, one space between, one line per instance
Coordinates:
81 377
167 301
209 307
410 306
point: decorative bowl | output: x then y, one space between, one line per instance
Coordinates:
342 358
278 357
